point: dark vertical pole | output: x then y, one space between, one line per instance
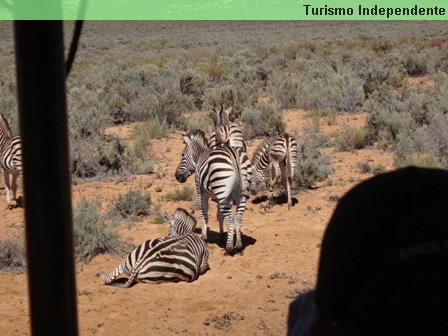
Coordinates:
48 213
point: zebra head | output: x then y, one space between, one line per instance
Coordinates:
182 222
195 144
222 124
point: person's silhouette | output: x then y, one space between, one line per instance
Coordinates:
383 267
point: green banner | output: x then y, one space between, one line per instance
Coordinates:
223 10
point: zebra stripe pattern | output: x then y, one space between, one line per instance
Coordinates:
225 132
10 160
181 256
281 153
182 223
222 174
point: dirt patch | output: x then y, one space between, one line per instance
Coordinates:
241 295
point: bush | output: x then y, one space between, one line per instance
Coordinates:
425 146
94 157
312 165
352 94
322 92
266 120
284 89
12 255
191 83
233 95
415 64
350 139
425 160
133 205
93 235
186 193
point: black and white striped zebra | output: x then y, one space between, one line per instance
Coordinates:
281 154
225 132
181 257
222 174
181 223
10 160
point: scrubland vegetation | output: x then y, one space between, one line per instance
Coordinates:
157 72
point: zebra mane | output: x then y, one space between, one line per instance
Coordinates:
186 217
261 150
198 135
4 125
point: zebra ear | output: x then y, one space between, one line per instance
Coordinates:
166 218
186 138
229 110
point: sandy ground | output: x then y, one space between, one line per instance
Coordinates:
240 295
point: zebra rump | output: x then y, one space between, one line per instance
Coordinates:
226 133
167 259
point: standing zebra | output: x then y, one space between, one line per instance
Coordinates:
222 174
10 160
281 153
178 257
226 132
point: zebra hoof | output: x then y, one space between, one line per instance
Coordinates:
228 253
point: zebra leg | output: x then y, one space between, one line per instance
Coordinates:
288 191
226 212
13 204
221 224
7 188
239 223
203 206
109 278
285 182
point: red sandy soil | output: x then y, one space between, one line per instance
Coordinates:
242 295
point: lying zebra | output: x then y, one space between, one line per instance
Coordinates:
181 256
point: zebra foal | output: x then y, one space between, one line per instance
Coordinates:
10 160
222 174
225 132
181 256
281 153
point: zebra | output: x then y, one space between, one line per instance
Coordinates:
181 223
174 258
281 153
225 132
222 174
10 160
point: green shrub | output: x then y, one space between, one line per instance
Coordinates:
186 193
192 83
12 255
350 138
312 164
426 160
284 89
415 64
352 93
265 120
321 93
133 205
233 95
93 235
